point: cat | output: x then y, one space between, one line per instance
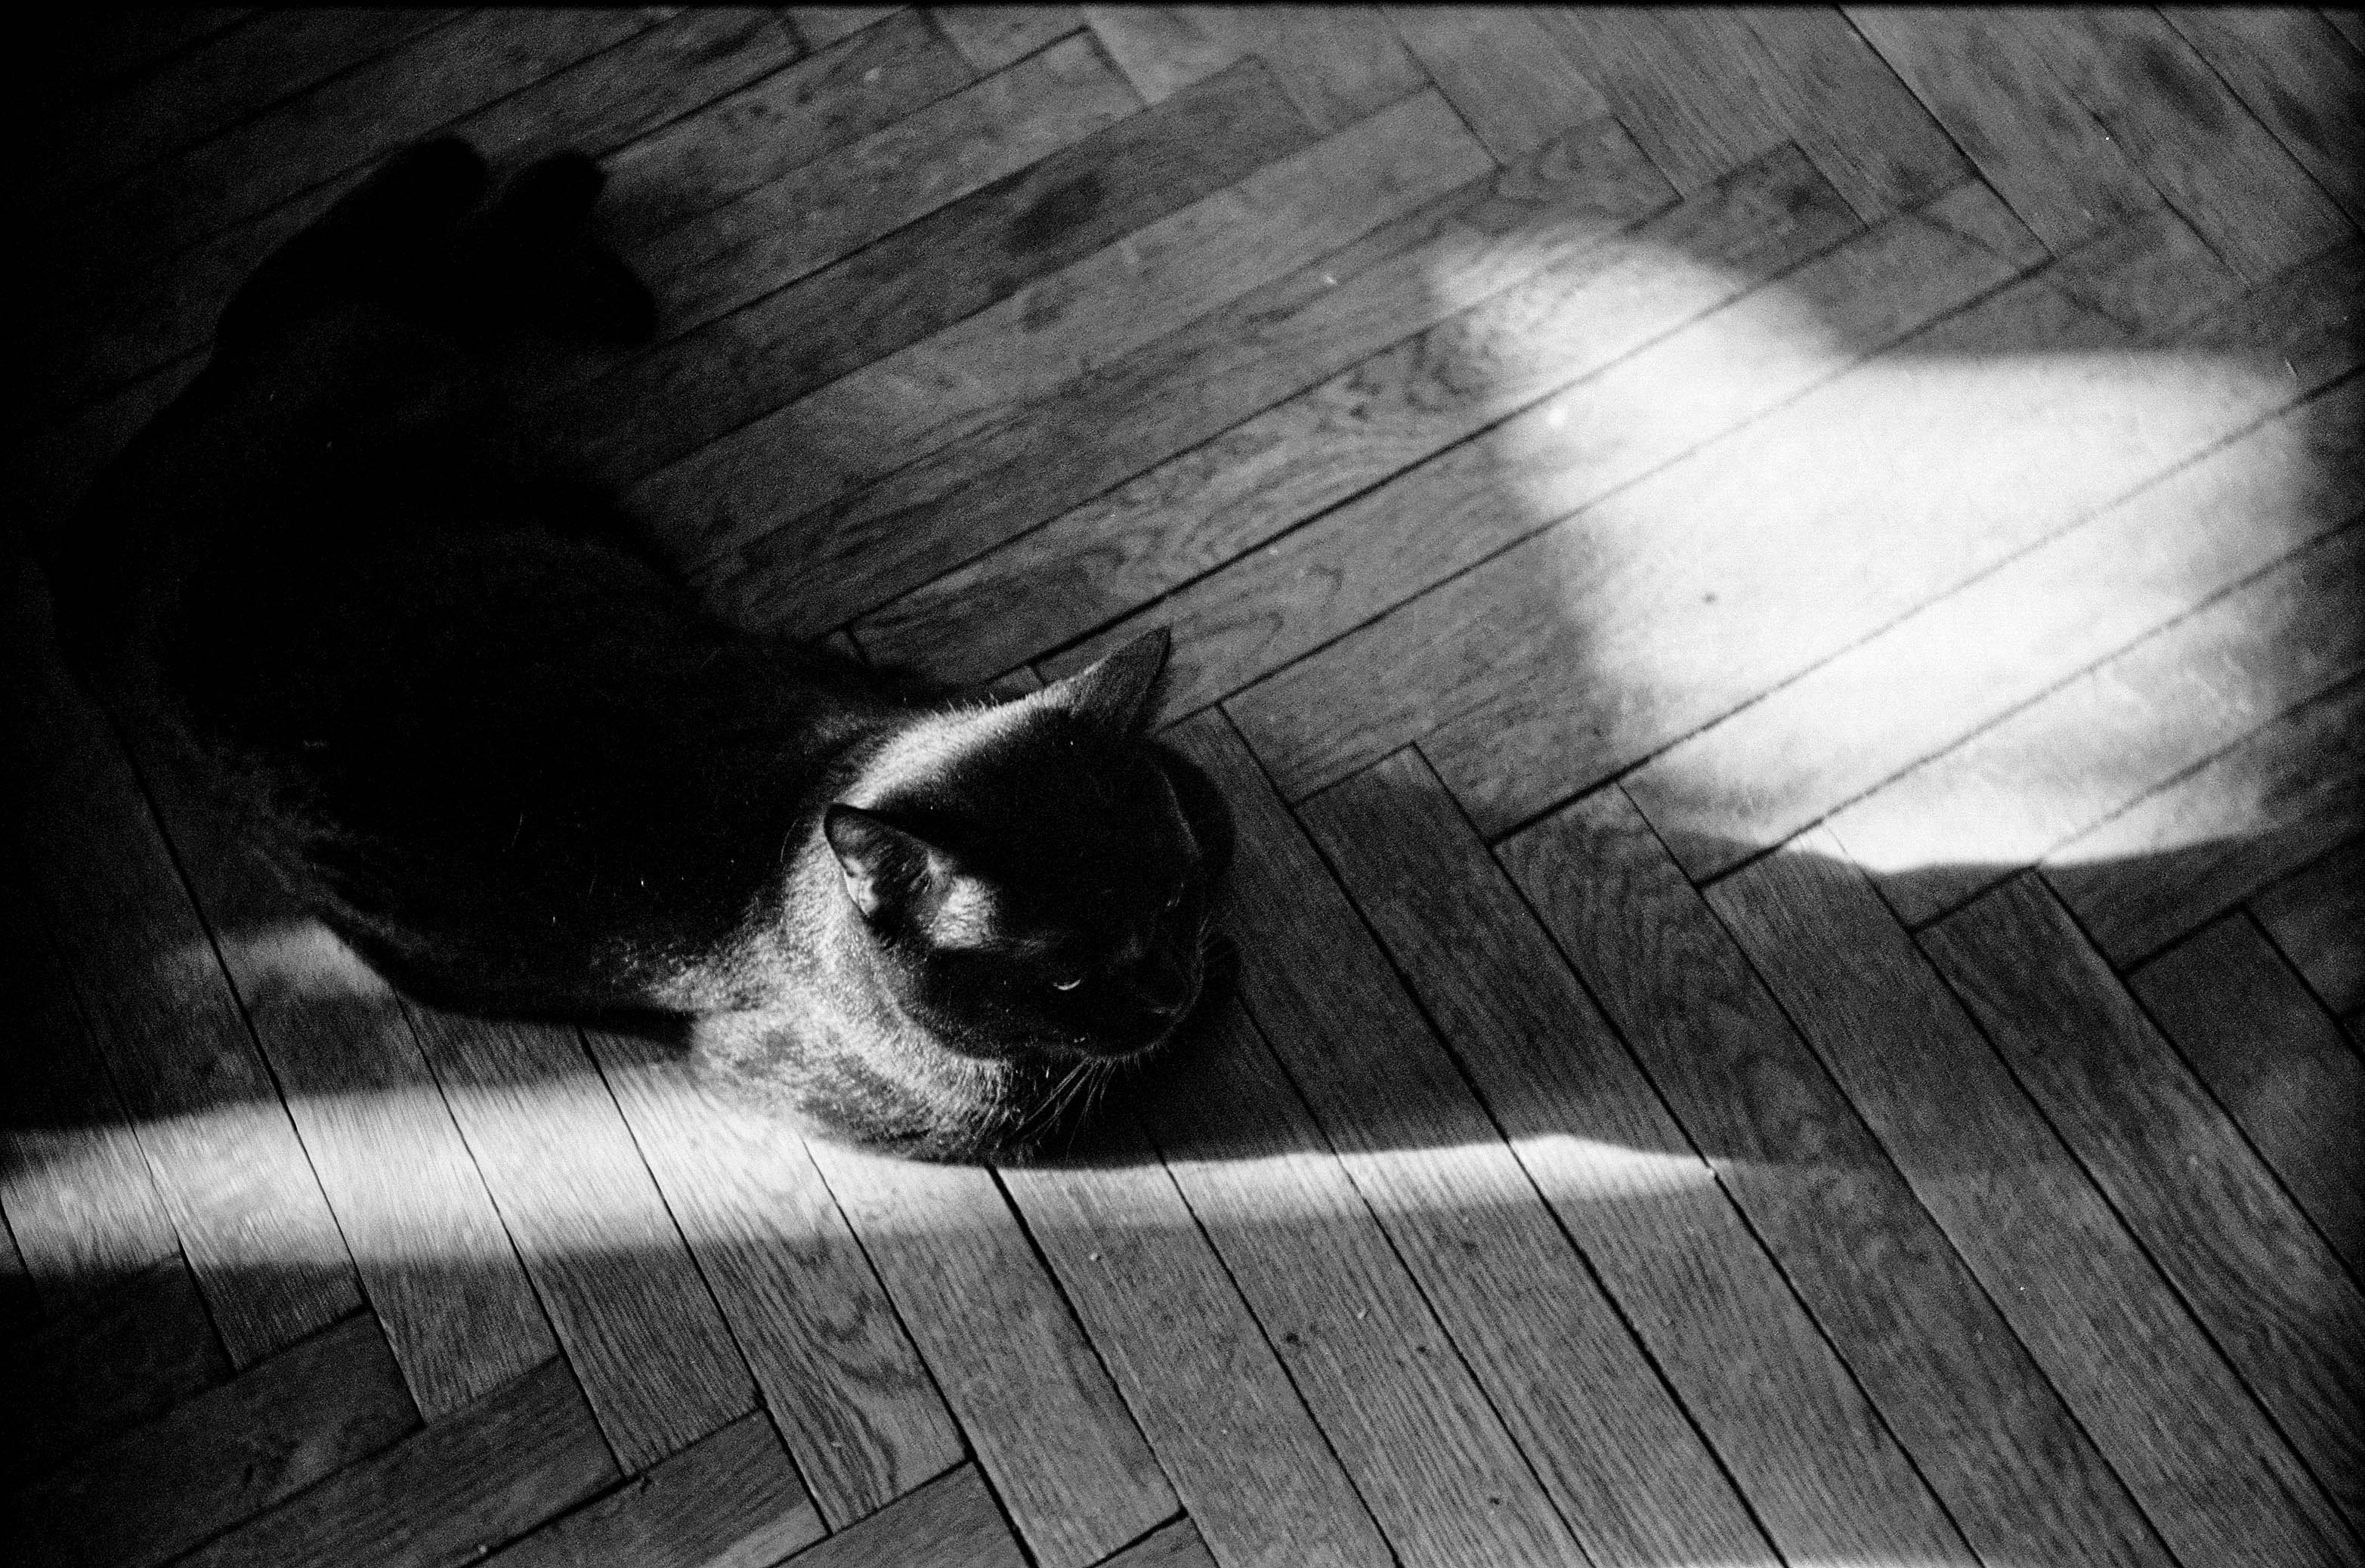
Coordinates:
461 710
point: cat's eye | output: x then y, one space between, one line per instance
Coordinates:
1068 984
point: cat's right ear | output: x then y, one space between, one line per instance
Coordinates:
885 868
1118 692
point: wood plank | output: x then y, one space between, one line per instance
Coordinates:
225 78
20 1309
1461 357
1948 828
444 1496
108 1361
2346 24
618 95
2318 918
1461 1206
1657 595
821 26
344 122
2292 71
1273 342
2257 1276
1957 665
1619 1173
772 236
732 1500
991 37
1037 1408
1251 1469
234 1451
632 1315
1681 83
1667 360
83 55
2153 275
1337 63
1847 111
972 253
1179 1545
82 1210
951 1523
1443 1478
226 1160
1986 1431
836 1367
2173 1421
439 1270
2240 1017
1058 328
2184 854
1984 75
2201 148
1508 78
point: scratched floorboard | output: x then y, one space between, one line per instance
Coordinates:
1776 595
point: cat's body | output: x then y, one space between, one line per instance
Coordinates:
521 772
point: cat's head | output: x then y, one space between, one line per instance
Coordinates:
1029 888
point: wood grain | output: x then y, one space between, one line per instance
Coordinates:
991 37
233 1451
949 1523
1950 827
2318 918
1963 661
630 1310
253 1222
1649 331
1540 280
1985 77
1505 74
1176 1546
1642 1487
2159 1402
2193 138
1337 63
225 78
1039 1409
899 409
836 1367
2268 804
2240 1017
320 134
731 1500
2273 1296
622 93
1516 655
968 255
1269 344
2294 71
821 26
438 1269
776 233
1252 1468
82 1208
106 1361
445 1495
1986 1431
1385 1380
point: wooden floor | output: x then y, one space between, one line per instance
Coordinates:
1777 595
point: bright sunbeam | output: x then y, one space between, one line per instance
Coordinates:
1811 577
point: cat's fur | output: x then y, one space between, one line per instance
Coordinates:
515 766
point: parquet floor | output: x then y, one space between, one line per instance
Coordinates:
1776 594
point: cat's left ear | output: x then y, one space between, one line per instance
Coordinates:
886 867
1118 692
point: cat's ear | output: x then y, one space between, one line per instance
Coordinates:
1118 692
885 867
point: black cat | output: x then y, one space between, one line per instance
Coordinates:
473 725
